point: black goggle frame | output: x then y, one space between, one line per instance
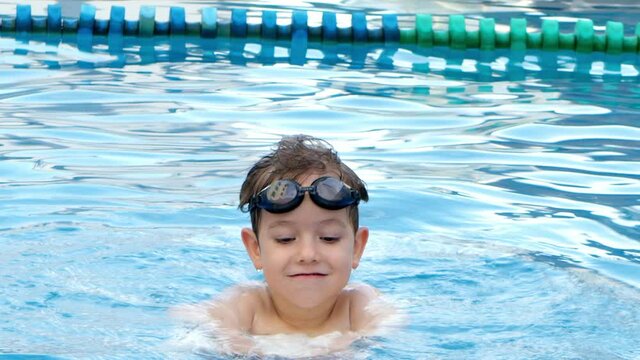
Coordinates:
340 195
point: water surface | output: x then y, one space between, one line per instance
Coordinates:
504 187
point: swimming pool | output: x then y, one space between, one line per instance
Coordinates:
504 186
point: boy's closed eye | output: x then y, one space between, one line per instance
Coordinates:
330 239
289 239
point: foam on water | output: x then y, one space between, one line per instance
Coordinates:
202 335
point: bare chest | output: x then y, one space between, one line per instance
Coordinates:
267 321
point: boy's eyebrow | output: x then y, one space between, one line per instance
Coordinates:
280 223
290 222
333 220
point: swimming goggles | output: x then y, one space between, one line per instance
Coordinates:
285 195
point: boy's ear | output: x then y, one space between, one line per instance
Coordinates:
250 241
361 238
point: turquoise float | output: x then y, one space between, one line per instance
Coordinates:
420 33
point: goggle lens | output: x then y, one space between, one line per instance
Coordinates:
281 192
332 189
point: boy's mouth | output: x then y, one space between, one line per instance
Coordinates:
305 275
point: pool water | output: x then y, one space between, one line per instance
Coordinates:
504 187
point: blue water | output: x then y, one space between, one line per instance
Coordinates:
504 186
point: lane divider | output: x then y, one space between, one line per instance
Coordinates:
422 32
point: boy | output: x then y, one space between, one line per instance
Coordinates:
305 237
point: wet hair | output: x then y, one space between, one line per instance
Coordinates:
293 157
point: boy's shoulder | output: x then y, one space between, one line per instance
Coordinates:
359 297
360 293
251 294
237 306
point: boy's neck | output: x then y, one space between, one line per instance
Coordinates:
306 320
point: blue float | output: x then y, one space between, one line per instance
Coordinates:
209 22
239 23
23 18
116 22
54 18
299 21
87 18
177 20
390 26
359 27
329 27
269 24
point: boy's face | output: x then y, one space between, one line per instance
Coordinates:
307 254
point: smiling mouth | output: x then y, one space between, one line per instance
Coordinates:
307 275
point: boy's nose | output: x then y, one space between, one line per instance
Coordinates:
307 251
